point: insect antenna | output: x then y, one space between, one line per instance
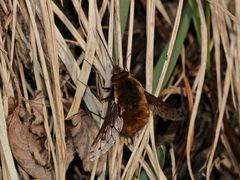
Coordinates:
126 63
90 112
105 47
94 68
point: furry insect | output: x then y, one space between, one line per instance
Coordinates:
129 111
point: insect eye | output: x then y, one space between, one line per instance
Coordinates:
120 76
116 70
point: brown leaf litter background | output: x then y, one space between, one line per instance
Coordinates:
54 67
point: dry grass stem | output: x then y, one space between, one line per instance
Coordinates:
200 77
170 48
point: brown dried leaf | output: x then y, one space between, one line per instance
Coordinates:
27 141
69 143
83 131
12 104
37 107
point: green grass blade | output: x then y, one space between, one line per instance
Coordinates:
143 176
208 19
124 11
196 19
182 33
161 152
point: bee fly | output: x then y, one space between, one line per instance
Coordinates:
129 111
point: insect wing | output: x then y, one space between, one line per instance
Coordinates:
108 133
162 109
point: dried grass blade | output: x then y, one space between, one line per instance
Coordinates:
154 160
150 25
227 82
46 78
147 169
130 35
7 158
216 40
48 23
118 34
232 158
69 25
237 62
200 77
162 10
13 29
170 48
89 56
136 152
216 4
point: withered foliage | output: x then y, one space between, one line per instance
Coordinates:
80 133
28 140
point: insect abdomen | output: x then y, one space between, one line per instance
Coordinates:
135 120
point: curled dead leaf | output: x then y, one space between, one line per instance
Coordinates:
28 142
80 134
